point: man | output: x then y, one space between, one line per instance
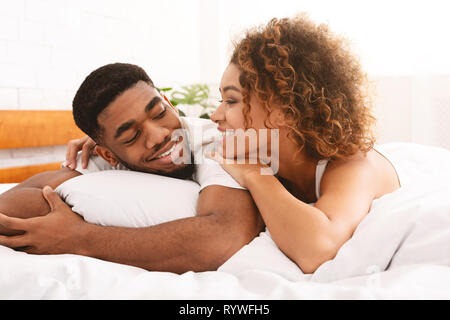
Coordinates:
119 107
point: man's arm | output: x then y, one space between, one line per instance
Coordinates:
25 200
226 220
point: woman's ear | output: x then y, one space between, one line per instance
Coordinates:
277 118
107 155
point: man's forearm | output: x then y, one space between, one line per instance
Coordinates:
227 219
198 244
225 222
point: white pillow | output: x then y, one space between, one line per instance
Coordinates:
129 199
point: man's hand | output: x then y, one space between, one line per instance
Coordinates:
226 220
55 233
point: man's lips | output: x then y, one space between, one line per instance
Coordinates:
170 146
166 148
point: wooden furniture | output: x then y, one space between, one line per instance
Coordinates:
34 128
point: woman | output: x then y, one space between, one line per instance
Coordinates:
300 79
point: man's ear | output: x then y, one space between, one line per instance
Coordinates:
106 154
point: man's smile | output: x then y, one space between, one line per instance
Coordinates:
172 151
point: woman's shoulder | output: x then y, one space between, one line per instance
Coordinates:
359 161
371 169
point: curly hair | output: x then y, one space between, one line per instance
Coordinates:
313 77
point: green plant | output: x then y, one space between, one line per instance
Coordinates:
191 94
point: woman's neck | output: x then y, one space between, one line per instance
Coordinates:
298 174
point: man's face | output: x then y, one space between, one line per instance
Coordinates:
137 132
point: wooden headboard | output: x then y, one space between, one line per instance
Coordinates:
34 128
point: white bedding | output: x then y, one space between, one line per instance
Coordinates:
401 250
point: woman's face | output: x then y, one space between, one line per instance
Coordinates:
229 115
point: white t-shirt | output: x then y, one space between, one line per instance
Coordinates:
201 135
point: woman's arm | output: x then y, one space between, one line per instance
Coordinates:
311 235
87 147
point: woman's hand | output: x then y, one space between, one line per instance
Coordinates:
241 172
87 147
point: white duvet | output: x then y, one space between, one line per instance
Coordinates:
401 250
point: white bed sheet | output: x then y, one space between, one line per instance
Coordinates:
74 277
401 250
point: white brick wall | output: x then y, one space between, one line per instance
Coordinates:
413 109
9 28
8 98
3 52
47 47
28 156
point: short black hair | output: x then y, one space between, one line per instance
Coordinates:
99 89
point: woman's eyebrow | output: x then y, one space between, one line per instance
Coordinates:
231 87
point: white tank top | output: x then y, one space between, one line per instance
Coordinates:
322 165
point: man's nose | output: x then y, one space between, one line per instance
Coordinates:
156 135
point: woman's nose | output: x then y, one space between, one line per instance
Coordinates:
217 114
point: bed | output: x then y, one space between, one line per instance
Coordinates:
33 129
401 250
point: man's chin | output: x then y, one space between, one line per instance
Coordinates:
184 172
180 171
